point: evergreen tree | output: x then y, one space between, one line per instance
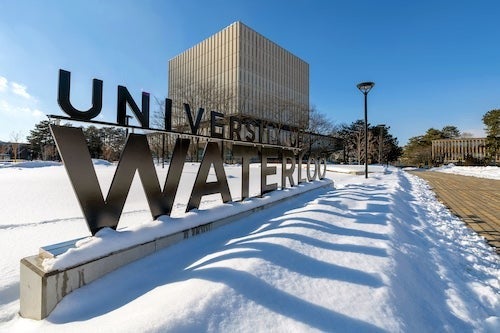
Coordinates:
94 141
418 151
450 132
113 140
353 138
41 142
491 120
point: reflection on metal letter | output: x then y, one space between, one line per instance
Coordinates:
322 160
287 155
267 170
174 172
201 187
246 153
135 156
299 171
314 161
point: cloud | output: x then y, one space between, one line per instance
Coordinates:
4 106
37 113
20 90
475 132
13 106
19 110
3 84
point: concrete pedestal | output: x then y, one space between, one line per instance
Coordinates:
41 290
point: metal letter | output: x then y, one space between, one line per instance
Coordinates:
67 107
262 124
201 187
246 153
322 175
300 179
287 155
168 114
316 167
174 172
267 170
249 125
135 156
125 98
195 126
214 125
234 131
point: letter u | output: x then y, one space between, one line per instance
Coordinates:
65 103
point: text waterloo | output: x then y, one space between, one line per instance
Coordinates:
136 156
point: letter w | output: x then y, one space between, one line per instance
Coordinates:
100 213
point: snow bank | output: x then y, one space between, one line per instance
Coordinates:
107 241
30 164
372 255
355 169
490 172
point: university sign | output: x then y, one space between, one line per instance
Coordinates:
100 212
42 287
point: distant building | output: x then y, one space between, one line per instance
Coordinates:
10 151
239 72
458 150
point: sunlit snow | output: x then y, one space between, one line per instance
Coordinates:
367 255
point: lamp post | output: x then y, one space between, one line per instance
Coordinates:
127 117
380 142
365 87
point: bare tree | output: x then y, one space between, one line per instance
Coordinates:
15 137
207 96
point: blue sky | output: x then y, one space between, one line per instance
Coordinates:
434 63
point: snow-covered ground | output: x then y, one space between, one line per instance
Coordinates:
370 255
490 172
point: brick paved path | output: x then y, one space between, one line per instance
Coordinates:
475 200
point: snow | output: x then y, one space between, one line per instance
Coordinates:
370 255
490 172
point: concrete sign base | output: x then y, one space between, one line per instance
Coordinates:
41 291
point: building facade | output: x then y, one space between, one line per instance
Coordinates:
239 72
459 150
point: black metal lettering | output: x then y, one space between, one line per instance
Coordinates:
136 156
287 156
249 125
266 170
246 153
196 125
125 98
322 160
314 161
174 173
300 179
262 125
168 114
234 131
65 103
216 126
211 156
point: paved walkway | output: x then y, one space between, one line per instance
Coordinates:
475 200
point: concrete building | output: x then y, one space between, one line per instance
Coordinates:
458 150
239 72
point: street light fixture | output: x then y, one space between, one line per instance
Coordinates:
365 87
